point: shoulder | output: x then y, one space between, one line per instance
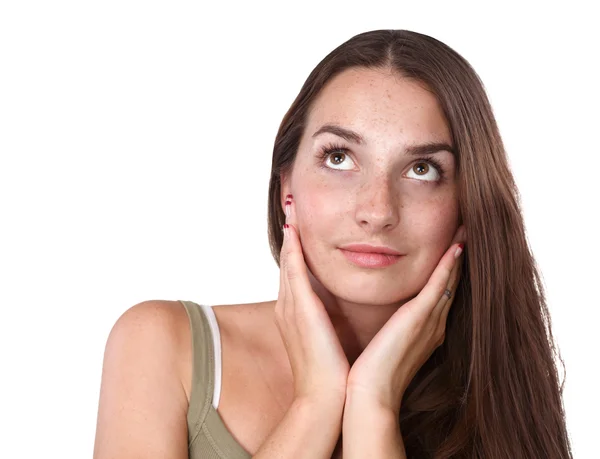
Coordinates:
156 331
142 392
156 327
149 337
163 314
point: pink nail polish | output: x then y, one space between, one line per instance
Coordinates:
459 250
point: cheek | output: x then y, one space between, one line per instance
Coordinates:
432 231
320 204
322 216
432 221
436 228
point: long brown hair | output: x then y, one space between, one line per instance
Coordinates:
491 390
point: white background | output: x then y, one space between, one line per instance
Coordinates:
136 141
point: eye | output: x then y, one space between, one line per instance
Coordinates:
427 167
332 156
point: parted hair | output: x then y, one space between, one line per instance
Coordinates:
492 389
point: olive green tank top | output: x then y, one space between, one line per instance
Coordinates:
208 437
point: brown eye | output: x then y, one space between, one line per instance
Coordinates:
425 171
421 168
335 158
338 158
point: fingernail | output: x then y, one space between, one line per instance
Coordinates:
459 250
285 229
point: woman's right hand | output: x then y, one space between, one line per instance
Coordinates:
318 361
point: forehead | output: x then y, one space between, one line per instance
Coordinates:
381 100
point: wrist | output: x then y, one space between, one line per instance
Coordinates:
371 429
358 399
328 405
368 410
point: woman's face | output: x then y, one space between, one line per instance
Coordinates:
374 191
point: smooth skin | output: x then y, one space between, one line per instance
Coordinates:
377 380
373 192
143 404
387 365
146 374
368 190
342 341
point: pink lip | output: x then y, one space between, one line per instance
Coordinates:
366 248
370 259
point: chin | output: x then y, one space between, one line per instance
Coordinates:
376 293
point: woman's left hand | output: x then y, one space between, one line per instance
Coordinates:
385 368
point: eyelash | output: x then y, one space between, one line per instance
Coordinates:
328 149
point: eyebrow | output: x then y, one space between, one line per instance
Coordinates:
355 137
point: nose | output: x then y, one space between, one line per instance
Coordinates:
377 206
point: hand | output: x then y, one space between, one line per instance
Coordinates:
319 364
385 368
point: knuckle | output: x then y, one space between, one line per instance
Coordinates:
440 291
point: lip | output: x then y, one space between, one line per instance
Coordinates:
366 248
370 259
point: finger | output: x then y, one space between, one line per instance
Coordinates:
438 281
296 272
445 302
284 287
450 284
280 307
448 270
460 237
282 263
453 286
289 305
291 309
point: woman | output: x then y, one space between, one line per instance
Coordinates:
411 320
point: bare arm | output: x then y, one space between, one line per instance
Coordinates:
370 430
143 406
310 429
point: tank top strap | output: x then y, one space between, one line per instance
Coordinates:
208 436
203 382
